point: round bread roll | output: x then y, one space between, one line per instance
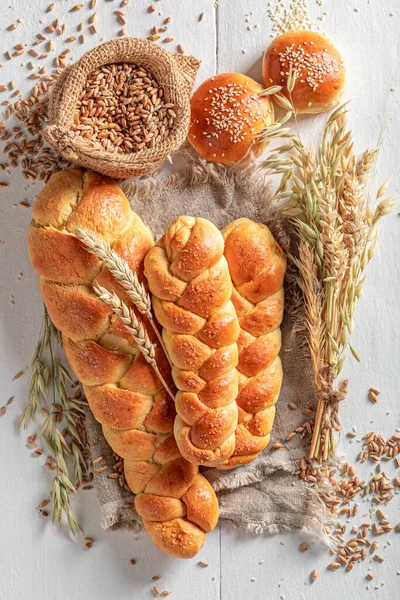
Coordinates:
320 73
226 116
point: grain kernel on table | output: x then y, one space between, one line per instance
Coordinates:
313 575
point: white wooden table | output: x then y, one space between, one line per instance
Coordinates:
38 562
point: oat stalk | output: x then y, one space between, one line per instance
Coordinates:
336 226
134 326
62 425
122 273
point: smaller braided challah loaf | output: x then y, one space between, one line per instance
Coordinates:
257 266
189 279
177 504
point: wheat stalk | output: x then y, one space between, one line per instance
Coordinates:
122 273
337 225
134 326
329 207
62 424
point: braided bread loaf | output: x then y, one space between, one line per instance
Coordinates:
177 504
257 266
191 287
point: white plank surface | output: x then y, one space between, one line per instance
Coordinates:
38 562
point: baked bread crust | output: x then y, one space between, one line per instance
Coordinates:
227 116
257 266
320 72
191 290
177 504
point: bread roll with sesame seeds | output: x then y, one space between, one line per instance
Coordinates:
320 72
227 114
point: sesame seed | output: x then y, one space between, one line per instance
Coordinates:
310 67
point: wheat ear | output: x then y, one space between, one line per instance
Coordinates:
134 326
336 226
121 272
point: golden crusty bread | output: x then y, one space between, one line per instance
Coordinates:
191 290
257 267
177 504
227 116
320 72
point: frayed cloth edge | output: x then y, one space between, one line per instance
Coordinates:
315 521
111 523
236 478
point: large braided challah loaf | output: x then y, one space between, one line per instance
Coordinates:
191 286
177 504
257 266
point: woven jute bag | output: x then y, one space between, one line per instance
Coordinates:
175 73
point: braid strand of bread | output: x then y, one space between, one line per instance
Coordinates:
257 266
177 504
191 290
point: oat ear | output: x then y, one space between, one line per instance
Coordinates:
188 67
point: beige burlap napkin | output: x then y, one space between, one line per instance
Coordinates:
266 495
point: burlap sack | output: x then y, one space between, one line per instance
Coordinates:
175 74
265 496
